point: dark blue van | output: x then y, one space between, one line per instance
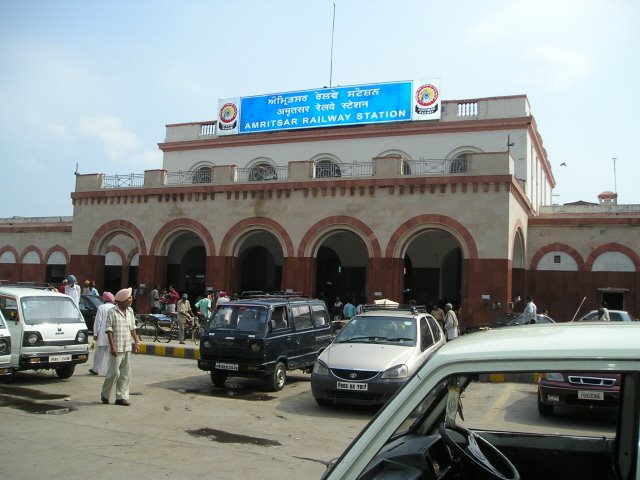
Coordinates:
264 337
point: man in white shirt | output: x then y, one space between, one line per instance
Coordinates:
530 311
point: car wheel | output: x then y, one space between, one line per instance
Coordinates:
66 371
218 378
278 377
543 408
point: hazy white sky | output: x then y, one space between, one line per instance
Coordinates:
93 83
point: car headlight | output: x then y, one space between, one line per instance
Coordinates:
82 337
553 377
31 339
399 371
206 343
5 346
320 368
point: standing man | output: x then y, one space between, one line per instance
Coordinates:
120 329
349 310
603 312
183 307
172 298
450 322
204 306
155 300
530 311
73 289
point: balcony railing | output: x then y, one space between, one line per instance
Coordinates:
124 181
461 165
435 166
188 177
262 173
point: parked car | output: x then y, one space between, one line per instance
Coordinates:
450 421
577 389
264 337
89 307
614 316
513 319
374 354
47 330
5 348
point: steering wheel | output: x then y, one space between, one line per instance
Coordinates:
479 452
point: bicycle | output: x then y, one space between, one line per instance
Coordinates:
155 329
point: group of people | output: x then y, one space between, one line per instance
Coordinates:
448 320
171 302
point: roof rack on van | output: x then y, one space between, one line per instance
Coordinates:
281 294
405 308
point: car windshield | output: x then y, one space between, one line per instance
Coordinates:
39 310
378 329
517 406
246 318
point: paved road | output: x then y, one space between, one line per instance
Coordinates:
179 426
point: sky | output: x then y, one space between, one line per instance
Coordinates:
89 86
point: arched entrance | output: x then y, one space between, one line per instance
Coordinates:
186 260
260 262
433 268
341 267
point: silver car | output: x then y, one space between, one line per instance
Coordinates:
374 355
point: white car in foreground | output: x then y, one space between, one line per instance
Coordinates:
374 355
451 420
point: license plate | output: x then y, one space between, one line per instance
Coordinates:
59 358
361 387
227 366
590 395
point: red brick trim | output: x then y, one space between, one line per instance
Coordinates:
57 248
31 248
119 251
556 247
468 244
313 236
9 248
612 247
131 254
117 226
176 225
254 224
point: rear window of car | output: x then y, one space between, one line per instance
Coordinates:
39 310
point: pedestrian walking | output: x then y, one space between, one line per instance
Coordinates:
99 335
120 330
530 311
438 314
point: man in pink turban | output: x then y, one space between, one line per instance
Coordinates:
120 329
99 335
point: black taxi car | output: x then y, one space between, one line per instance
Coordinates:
264 337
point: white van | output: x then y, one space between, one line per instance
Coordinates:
5 348
47 330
